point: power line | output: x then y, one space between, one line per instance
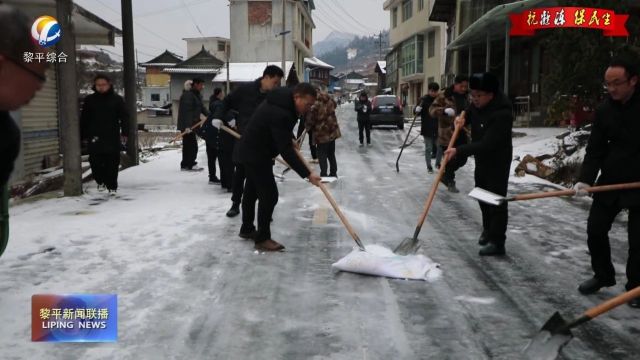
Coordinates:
354 19
323 17
169 9
341 15
192 18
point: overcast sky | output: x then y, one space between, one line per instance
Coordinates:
160 24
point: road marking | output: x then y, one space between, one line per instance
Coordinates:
320 216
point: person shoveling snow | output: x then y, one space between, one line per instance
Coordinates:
381 261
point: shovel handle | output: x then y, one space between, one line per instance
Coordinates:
436 182
612 303
195 126
591 189
237 136
405 142
334 204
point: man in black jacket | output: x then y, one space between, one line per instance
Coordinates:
613 151
104 125
363 108
244 100
491 120
189 111
212 139
429 126
267 135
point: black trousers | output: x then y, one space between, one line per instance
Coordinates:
104 168
452 166
313 148
601 217
238 182
366 126
327 151
494 218
225 158
189 151
261 187
212 155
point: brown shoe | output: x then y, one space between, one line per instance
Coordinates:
269 245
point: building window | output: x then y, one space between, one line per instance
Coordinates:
221 46
431 44
407 10
408 57
155 97
430 80
420 5
394 17
420 53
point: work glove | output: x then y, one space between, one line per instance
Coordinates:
450 112
364 109
418 109
216 123
187 131
580 189
232 123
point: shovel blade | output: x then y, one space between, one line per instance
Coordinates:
548 342
487 196
408 246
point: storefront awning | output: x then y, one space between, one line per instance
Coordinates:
493 23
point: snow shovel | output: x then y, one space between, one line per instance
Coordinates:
195 126
411 245
237 136
405 142
556 332
335 206
495 199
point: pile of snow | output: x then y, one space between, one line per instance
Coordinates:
379 261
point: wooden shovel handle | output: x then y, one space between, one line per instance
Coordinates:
237 136
436 182
334 204
591 189
195 126
612 303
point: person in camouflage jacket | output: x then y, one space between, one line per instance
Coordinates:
322 122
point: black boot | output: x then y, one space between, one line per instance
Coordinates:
492 249
235 210
593 285
484 238
249 233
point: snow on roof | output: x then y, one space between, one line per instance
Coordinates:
315 62
383 66
247 72
370 84
354 81
191 70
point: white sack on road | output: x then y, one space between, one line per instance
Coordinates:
380 261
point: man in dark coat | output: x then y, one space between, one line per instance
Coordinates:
491 119
212 139
450 103
190 108
244 100
19 81
613 151
267 135
363 108
104 125
429 127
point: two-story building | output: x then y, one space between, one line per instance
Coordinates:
155 92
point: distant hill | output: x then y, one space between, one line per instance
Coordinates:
368 48
335 40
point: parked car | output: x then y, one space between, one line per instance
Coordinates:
387 110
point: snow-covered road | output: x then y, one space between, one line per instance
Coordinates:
189 288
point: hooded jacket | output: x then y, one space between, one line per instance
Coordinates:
614 150
103 119
190 108
269 133
322 120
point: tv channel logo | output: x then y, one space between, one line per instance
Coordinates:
46 31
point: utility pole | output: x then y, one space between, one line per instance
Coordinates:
70 125
130 94
226 50
284 63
